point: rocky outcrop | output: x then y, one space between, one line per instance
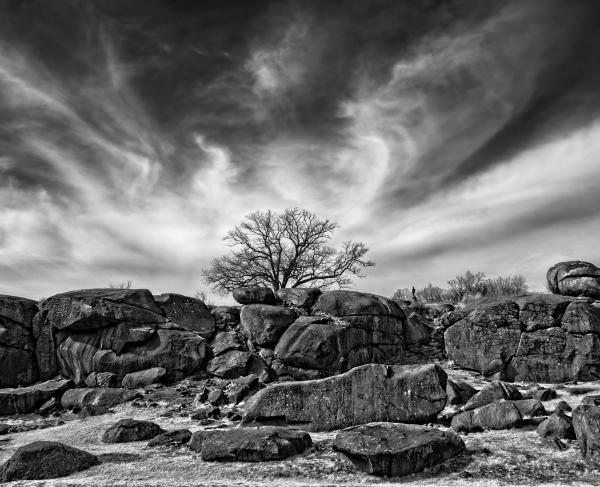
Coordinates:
22 400
395 450
45 460
250 444
126 430
17 344
254 295
374 392
586 422
189 313
263 324
118 331
574 278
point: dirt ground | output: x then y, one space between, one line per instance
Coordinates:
513 457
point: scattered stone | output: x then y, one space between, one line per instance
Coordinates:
126 430
144 378
374 392
395 450
586 422
22 400
45 460
459 392
250 444
171 438
108 397
101 379
299 297
558 425
494 391
254 295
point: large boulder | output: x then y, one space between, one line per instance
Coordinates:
574 278
586 422
226 318
459 392
263 324
22 400
541 311
230 365
254 295
486 339
17 345
493 391
394 450
126 430
557 425
144 378
118 331
96 397
189 313
374 392
250 444
45 460
171 438
298 297
498 415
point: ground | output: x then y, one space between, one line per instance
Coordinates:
513 457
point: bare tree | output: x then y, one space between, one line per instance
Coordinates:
285 250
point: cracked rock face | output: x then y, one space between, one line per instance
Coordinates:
396 449
373 392
586 422
574 278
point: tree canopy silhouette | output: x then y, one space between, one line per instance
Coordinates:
285 250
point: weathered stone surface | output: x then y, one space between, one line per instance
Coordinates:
126 430
230 365
18 363
27 399
591 400
189 313
171 438
97 396
530 407
416 330
144 378
540 394
254 295
557 425
396 449
459 392
101 379
250 444
374 392
541 311
226 317
586 422
226 341
263 324
494 391
45 460
300 297
574 278
486 339
581 317
498 415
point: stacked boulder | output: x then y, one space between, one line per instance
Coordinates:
538 337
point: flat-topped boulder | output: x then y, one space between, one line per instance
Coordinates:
250 444
17 344
20 400
189 313
394 450
574 278
373 392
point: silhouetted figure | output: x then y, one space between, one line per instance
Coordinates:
414 294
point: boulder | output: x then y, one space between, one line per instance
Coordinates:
586 422
459 392
230 364
226 341
17 345
45 460
144 378
574 278
250 444
189 313
486 339
498 415
226 317
494 391
126 430
541 311
563 406
101 379
263 324
540 394
581 317
27 399
254 295
374 392
591 400
395 450
530 407
97 396
298 297
171 438
557 425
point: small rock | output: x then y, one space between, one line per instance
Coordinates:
126 430
216 396
563 406
557 425
206 412
171 438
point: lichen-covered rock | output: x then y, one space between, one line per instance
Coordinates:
486 339
126 430
254 295
45 460
374 392
250 444
395 450
299 297
586 422
22 400
541 311
189 313
574 278
18 364
263 324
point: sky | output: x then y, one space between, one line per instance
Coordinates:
447 135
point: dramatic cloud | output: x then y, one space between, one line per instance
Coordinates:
447 135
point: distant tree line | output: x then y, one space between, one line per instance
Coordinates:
471 285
